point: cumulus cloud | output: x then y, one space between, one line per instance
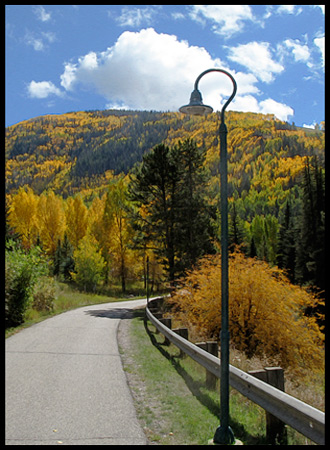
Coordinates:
155 71
143 70
257 58
43 89
226 19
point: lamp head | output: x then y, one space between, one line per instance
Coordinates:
196 106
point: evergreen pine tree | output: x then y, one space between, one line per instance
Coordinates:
63 262
236 232
194 231
169 186
286 254
310 257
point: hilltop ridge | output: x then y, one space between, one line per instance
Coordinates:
80 151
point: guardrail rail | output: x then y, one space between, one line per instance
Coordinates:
304 418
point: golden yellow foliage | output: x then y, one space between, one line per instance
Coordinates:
76 220
51 221
22 216
265 311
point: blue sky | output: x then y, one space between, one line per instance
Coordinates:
62 58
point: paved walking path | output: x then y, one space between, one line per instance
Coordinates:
65 383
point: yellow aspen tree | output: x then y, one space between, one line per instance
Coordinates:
95 218
121 234
23 215
76 215
51 221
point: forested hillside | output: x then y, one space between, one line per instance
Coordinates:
73 152
276 171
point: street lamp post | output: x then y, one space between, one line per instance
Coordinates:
223 434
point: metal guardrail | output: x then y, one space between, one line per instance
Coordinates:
302 417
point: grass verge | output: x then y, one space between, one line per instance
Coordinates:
172 402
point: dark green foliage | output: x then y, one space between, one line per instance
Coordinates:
310 256
21 273
236 233
63 262
194 214
170 185
122 147
286 254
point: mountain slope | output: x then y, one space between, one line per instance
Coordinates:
79 151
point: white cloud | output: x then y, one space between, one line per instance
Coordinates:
143 70
280 110
42 89
227 19
49 36
38 41
41 13
320 43
248 103
257 57
155 71
300 52
134 17
68 77
312 126
289 9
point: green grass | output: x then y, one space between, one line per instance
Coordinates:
172 401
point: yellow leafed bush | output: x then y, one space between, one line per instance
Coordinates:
265 310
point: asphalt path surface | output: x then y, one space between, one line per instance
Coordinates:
65 383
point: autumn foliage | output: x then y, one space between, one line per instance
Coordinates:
266 312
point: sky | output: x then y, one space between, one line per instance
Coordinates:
63 58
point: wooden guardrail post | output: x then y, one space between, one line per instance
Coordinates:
183 332
168 323
276 431
210 347
211 379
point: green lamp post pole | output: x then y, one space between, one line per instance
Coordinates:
223 434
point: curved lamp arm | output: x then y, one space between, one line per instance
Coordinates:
233 81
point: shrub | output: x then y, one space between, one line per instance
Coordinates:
265 310
44 295
22 269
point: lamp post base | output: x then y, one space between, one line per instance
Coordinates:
237 442
224 436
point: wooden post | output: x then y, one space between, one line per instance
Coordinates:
275 429
210 347
183 332
211 379
168 323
